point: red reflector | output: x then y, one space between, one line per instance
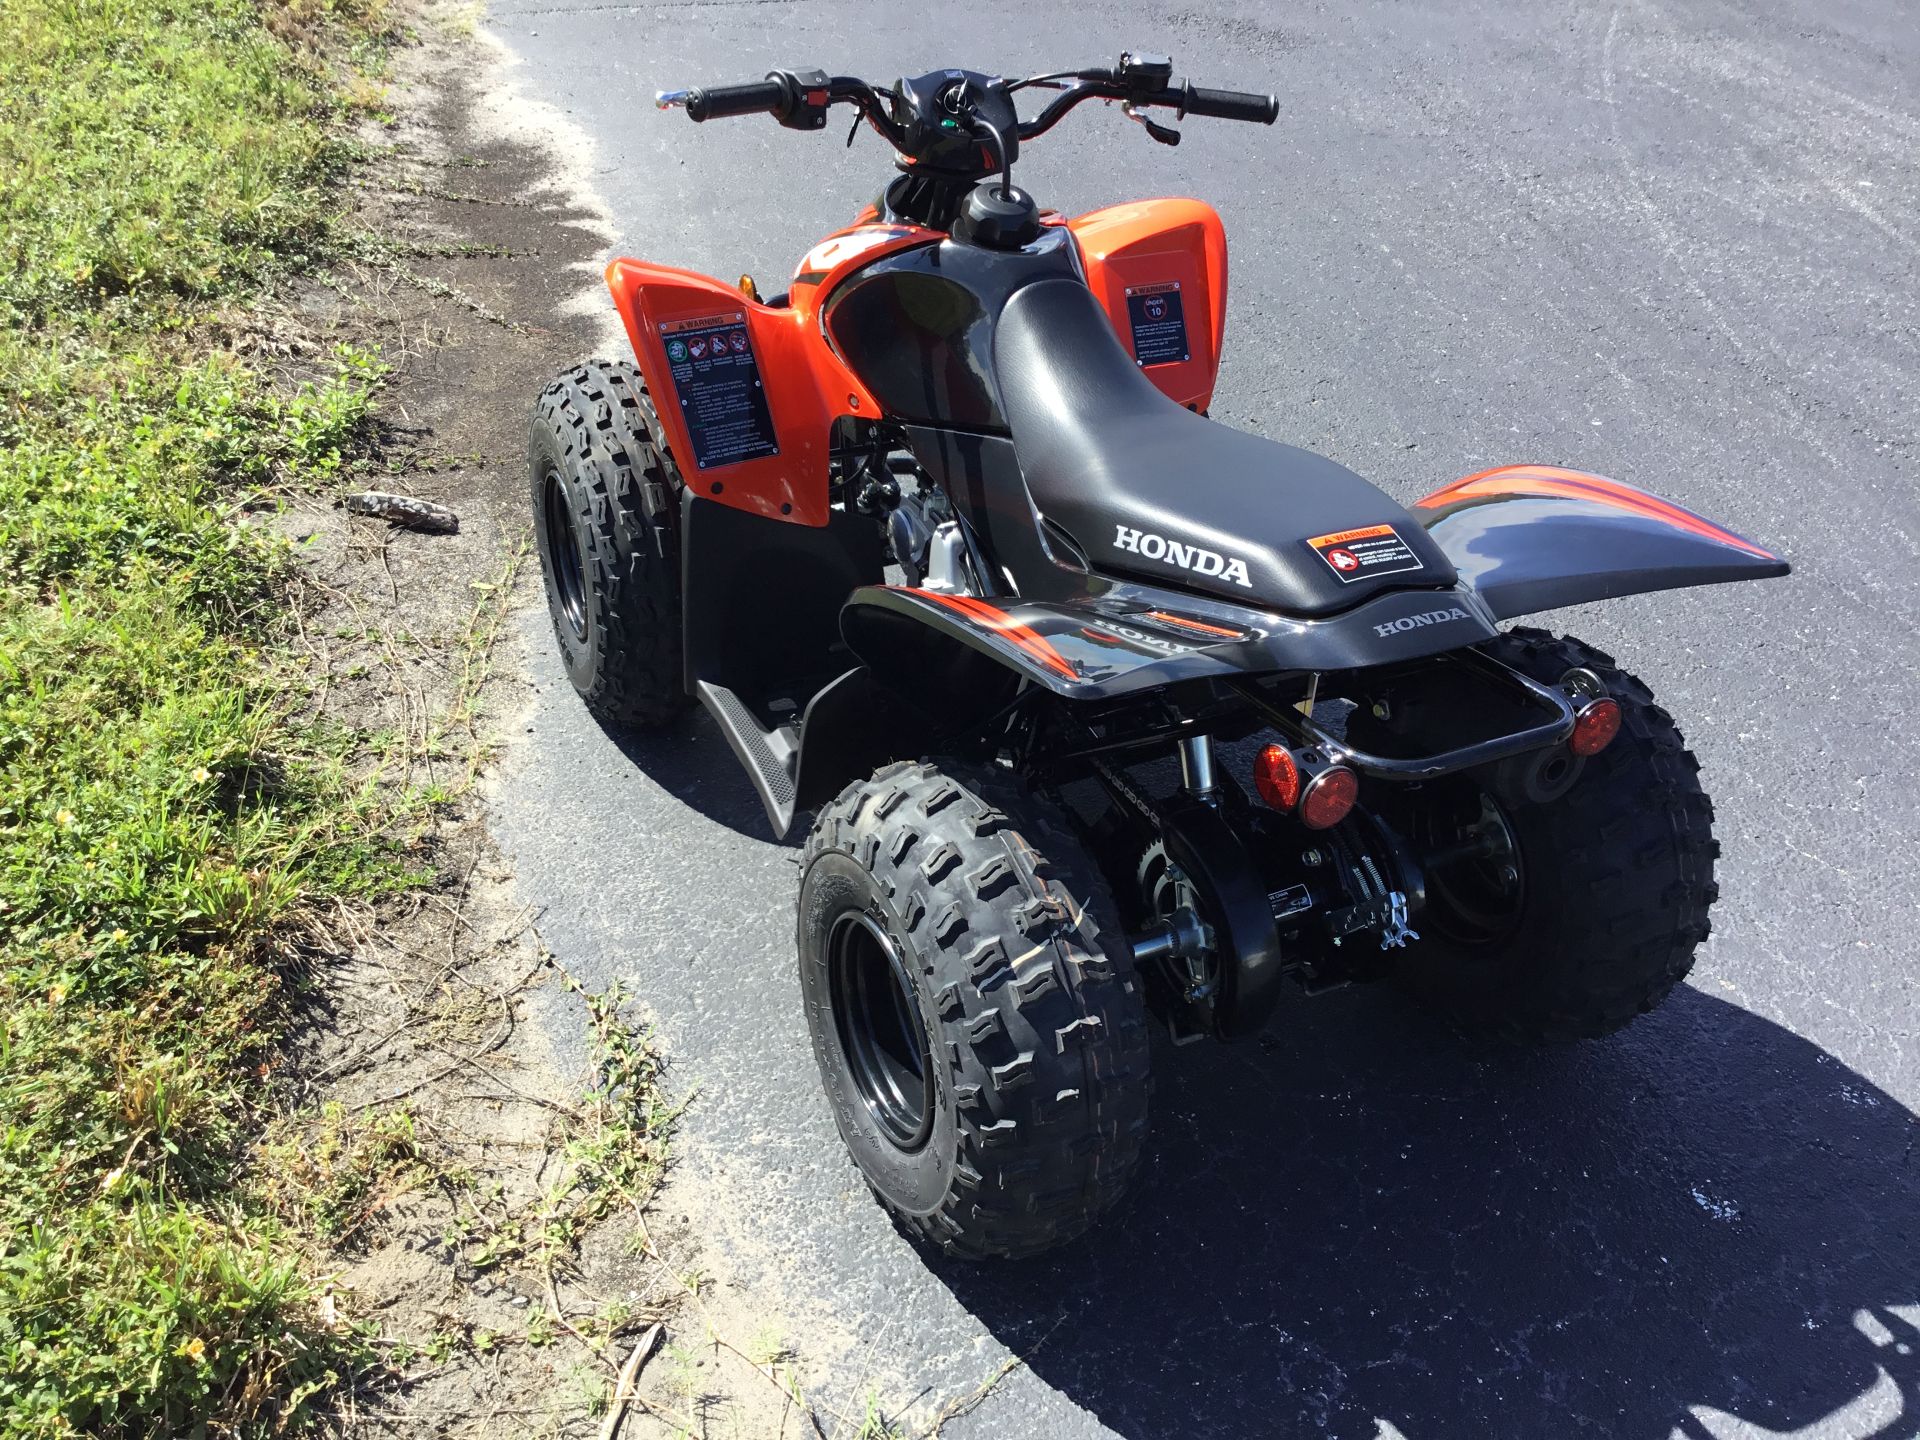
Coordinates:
1328 798
1595 726
1276 777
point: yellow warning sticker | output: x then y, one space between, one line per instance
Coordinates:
1362 554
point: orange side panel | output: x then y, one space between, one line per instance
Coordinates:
805 384
844 251
867 238
1142 259
819 271
783 474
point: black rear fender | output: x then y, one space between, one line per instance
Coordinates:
1535 537
936 666
959 654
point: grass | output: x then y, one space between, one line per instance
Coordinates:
874 1422
333 1179
612 1153
166 822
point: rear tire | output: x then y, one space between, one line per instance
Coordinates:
1615 877
980 1032
606 502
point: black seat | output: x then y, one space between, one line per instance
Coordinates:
1111 460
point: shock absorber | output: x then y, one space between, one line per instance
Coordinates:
1196 768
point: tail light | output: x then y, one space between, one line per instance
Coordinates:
1320 802
1328 797
1595 726
1277 777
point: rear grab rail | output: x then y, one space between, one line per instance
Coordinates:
1301 730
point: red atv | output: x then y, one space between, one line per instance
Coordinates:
944 540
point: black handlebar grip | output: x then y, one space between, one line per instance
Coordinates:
1231 105
717 102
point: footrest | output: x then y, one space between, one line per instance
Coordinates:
770 755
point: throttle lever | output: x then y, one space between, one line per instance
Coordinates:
1165 134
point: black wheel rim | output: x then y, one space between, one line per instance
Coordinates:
563 556
881 1036
1476 876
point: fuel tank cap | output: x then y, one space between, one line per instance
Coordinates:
997 219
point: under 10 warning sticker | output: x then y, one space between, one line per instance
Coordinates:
1364 553
717 382
1159 323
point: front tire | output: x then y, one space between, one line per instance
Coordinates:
606 507
1583 912
979 1030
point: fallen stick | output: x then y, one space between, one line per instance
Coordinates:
629 1373
404 510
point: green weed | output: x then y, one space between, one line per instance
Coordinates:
322 421
333 1176
161 149
875 1423
613 1152
164 823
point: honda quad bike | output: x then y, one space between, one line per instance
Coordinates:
1102 710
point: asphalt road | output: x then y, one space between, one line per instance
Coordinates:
1674 243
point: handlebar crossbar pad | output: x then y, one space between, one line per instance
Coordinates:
1232 105
717 102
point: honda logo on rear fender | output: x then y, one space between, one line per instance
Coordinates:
1414 622
1211 563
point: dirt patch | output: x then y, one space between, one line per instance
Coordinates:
484 1205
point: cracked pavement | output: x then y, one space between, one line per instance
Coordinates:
1674 243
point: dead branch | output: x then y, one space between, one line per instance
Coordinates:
629 1373
404 510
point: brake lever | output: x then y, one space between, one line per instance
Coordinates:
1165 134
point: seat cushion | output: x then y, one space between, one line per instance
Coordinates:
1152 491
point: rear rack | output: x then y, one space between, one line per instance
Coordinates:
1301 730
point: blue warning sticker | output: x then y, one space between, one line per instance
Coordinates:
716 381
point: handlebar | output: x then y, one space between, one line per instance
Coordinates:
1127 85
717 102
952 128
799 99
1230 105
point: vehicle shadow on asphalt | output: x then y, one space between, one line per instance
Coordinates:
692 762
1359 1219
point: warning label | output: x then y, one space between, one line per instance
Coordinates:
1159 323
1364 553
717 382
